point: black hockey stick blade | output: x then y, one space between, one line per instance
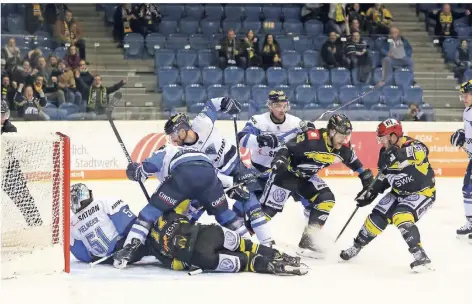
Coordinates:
115 99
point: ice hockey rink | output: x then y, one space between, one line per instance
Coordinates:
379 274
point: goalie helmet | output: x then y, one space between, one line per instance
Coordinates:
177 122
80 197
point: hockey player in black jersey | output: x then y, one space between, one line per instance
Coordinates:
295 168
179 244
406 170
13 180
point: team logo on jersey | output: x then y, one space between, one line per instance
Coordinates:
279 195
226 264
322 157
230 238
210 149
385 200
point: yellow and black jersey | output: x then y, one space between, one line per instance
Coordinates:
309 152
412 173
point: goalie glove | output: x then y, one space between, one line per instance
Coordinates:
125 255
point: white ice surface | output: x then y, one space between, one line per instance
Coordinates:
380 274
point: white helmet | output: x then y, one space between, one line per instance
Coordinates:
79 194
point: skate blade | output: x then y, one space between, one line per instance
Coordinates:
307 253
423 268
299 271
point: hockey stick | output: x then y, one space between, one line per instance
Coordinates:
114 101
357 207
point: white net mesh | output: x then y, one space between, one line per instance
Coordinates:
32 206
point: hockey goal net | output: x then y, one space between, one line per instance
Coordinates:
35 204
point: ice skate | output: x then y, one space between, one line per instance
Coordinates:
351 252
308 247
421 263
291 260
465 231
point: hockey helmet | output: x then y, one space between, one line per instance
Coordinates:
388 127
340 123
177 122
276 97
80 197
466 87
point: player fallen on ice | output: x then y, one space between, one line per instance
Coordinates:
295 168
202 135
178 244
463 138
407 171
186 174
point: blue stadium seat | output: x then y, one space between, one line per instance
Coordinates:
294 27
429 113
318 42
255 26
42 39
379 106
190 75
206 58
188 26
379 42
194 11
260 93
177 42
285 42
168 75
375 58
302 43
164 58
186 58
399 113
195 108
46 51
403 78
214 11
195 93
319 76
392 95
371 96
15 24
234 12
167 27
314 28
233 75
291 59
311 59
288 90
291 11
355 78
209 27
305 94
297 76
172 96
272 12
413 95
340 77
327 95
70 108
348 93
110 14
212 75
134 46
240 92
276 76
60 51
462 30
154 41
449 49
217 90
198 42
468 75
273 27
173 11
255 75
236 25
253 12
378 76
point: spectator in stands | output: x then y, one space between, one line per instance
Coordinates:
338 18
51 67
33 17
231 51
85 74
355 13
331 52
125 21
463 60
414 113
8 92
65 80
5 72
22 74
11 54
270 48
33 57
72 59
355 27
29 106
251 45
357 57
52 93
149 16
68 30
97 95
445 22
397 51
52 13
379 20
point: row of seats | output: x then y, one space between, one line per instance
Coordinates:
174 95
449 48
315 76
29 42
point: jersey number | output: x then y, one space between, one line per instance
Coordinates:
98 241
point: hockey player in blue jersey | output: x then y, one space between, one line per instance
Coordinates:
98 226
186 174
463 138
201 134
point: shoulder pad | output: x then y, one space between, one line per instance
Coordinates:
313 134
253 120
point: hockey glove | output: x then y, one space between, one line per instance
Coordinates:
125 255
458 138
135 172
366 178
230 106
365 197
248 177
239 193
268 140
389 157
279 165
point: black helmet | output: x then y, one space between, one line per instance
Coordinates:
340 123
176 122
466 87
277 96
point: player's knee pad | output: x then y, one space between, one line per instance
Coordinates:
231 240
232 262
375 223
403 217
467 191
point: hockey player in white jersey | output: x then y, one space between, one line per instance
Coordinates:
463 138
98 226
201 134
186 174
